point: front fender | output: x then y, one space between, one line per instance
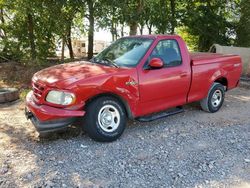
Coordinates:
126 87
123 84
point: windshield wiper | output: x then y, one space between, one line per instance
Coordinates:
94 60
104 61
111 62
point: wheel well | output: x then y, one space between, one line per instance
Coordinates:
117 97
222 81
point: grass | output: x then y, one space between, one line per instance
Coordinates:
23 94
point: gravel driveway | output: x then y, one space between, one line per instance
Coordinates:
192 149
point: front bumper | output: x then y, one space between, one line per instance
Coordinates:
46 118
48 126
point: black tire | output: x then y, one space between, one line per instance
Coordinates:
95 127
210 104
8 95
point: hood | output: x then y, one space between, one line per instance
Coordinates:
71 72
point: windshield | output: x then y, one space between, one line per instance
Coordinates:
125 51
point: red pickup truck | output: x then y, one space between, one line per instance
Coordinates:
136 77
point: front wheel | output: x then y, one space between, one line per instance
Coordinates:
215 98
105 119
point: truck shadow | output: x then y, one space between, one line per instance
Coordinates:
67 133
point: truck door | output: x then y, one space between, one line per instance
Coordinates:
168 86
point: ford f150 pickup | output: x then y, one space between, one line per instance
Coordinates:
137 77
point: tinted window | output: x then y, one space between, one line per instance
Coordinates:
169 52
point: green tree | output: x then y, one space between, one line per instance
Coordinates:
31 29
33 26
243 30
208 20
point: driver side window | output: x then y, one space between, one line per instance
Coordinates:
169 52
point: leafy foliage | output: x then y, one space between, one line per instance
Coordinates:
209 21
243 29
30 30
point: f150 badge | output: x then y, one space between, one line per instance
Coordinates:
131 83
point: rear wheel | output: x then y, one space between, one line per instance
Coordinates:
105 119
215 98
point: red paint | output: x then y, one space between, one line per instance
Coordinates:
156 63
210 67
153 91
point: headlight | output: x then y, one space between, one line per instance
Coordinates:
60 97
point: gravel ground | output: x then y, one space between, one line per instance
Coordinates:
192 149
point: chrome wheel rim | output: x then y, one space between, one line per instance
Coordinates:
216 98
109 118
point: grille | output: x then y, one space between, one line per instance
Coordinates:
37 90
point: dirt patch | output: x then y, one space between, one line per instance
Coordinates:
17 75
13 74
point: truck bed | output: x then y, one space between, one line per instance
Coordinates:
208 67
199 58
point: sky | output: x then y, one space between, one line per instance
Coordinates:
103 35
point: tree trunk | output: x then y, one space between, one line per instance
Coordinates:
173 18
1 15
134 24
112 30
113 26
149 26
141 29
150 29
122 30
69 43
133 28
63 46
115 30
2 34
91 29
30 24
2 30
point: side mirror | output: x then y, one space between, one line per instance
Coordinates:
156 63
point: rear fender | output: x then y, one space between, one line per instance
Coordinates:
216 76
200 85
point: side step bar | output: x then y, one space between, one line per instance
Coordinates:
160 115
